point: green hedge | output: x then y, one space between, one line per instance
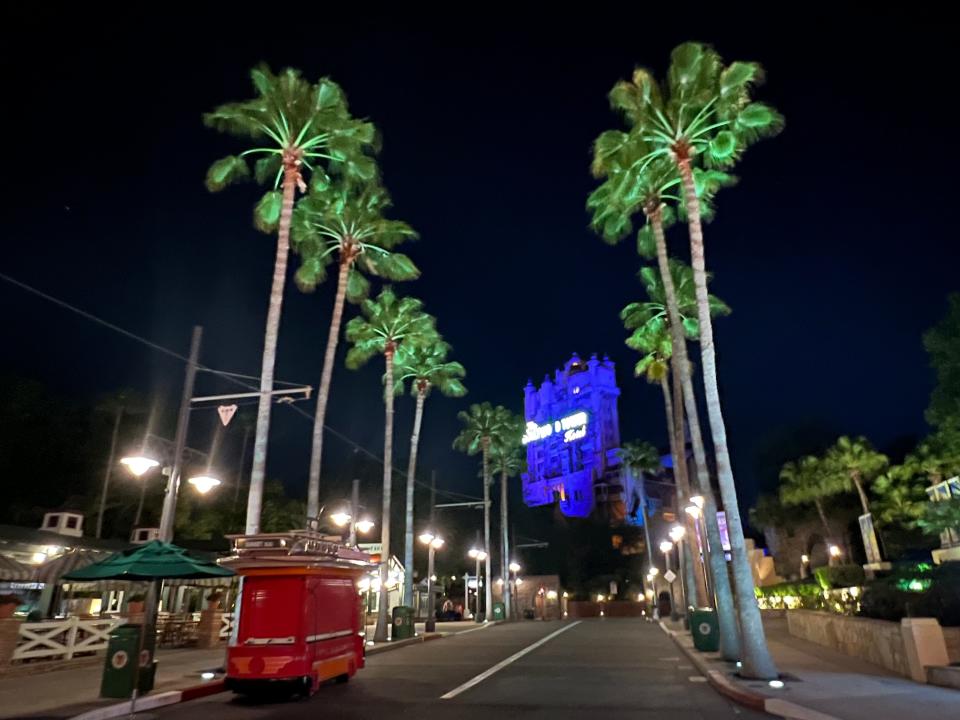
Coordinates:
839 576
802 588
915 590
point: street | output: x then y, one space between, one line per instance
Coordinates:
623 668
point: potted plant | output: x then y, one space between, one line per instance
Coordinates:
8 605
135 604
213 600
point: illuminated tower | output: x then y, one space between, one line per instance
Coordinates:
572 438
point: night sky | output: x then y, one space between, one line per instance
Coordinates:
836 251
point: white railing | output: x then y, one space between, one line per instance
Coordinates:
226 625
62 639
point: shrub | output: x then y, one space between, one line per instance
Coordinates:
916 590
839 576
802 588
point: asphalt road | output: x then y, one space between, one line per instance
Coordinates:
606 668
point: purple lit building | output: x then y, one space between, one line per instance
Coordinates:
572 437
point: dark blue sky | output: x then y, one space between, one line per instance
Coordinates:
836 251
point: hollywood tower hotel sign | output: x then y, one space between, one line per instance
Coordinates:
572 437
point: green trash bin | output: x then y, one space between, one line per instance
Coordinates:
121 662
499 611
403 626
703 627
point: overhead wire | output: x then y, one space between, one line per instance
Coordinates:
236 378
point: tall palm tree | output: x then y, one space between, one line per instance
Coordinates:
807 481
640 458
857 464
386 325
344 223
705 112
634 184
298 127
653 340
508 461
426 366
482 429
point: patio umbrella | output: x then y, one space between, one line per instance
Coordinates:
12 571
154 561
52 570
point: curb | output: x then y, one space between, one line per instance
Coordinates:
748 698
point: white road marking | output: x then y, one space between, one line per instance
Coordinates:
697 678
503 663
482 627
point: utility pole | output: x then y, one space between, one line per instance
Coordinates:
433 498
354 511
183 421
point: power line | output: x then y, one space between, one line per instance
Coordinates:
236 378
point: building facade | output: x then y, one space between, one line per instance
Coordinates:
572 438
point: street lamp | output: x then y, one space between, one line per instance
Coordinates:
139 464
203 483
341 518
365 525
479 556
677 533
514 568
697 500
433 542
665 547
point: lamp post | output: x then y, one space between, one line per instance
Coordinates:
433 542
695 510
514 568
804 566
479 556
677 533
665 547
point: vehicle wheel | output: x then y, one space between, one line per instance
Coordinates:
340 679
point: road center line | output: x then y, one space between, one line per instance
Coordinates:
503 663
465 632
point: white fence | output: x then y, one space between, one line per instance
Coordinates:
62 639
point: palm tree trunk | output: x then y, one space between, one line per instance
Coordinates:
488 581
411 476
642 484
380 634
726 613
109 471
323 391
818 503
505 548
259 469
694 561
864 502
757 661
680 484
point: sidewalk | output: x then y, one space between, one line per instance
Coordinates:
72 690
67 692
830 683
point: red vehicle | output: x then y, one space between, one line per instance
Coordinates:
298 621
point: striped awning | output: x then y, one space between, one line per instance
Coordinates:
12 571
52 570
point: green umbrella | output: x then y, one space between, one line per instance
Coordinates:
154 561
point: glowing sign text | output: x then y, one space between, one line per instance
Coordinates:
572 426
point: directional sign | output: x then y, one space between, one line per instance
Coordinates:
669 576
226 413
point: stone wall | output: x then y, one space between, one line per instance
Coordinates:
877 641
951 636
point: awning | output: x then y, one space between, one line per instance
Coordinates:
52 570
12 571
154 561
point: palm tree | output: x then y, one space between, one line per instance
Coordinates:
386 325
857 464
634 184
426 366
483 429
298 126
640 458
344 223
807 481
506 459
706 112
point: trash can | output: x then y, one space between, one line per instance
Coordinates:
121 662
499 611
403 626
703 627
